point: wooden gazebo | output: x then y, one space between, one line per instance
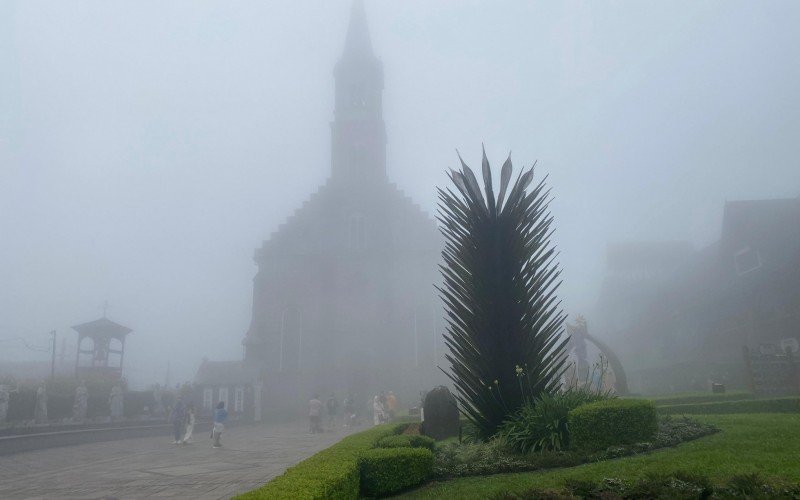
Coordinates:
101 349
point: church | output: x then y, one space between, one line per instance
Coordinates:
344 299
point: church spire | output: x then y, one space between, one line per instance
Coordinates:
358 43
358 135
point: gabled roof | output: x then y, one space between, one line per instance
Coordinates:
102 327
223 372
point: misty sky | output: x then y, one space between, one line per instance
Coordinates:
148 147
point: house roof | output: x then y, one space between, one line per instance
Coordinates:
223 372
102 327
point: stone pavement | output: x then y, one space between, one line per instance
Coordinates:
155 468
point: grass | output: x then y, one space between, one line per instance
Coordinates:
765 443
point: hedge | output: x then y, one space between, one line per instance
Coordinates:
777 405
332 473
385 471
598 425
681 399
407 441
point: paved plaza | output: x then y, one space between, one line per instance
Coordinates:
155 468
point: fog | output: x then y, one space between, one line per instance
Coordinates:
147 148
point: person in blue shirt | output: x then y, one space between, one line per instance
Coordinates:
220 416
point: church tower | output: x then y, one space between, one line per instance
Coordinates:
358 134
343 299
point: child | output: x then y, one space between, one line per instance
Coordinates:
190 418
220 416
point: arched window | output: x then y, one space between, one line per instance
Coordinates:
115 353
86 352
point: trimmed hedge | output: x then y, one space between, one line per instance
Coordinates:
385 471
332 473
777 405
598 425
407 441
682 399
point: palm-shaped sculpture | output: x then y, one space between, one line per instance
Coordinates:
500 277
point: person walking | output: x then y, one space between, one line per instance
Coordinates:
332 407
314 414
391 405
190 419
178 419
220 417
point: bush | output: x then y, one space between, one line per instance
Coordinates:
543 425
135 401
777 405
21 404
331 473
615 421
406 441
681 399
385 471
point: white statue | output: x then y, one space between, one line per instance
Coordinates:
81 402
40 411
4 398
115 401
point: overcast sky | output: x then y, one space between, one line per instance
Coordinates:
148 147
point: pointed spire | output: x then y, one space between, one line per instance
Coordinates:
358 43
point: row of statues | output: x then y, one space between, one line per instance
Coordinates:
79 408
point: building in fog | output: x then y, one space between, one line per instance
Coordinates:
344 298
684 322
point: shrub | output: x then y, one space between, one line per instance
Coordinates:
331 473
543 424
406 441
385 471
615 421
702 398
777 405
21 404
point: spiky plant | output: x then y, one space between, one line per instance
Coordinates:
504 320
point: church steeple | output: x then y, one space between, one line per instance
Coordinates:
358 134
358 43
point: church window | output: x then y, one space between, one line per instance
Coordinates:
223 395
357 233
238 399
208 396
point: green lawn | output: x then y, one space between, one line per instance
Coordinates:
765 443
